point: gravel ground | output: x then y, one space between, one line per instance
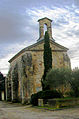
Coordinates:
17 111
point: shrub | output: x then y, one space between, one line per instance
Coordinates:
48 94
72 94
57 77
34 99
74 82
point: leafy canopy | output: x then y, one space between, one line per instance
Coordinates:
57 77
74 82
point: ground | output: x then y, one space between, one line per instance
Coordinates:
17 111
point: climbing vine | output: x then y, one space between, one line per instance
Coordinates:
26 64
24 61
15 81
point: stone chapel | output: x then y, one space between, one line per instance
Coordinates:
27 66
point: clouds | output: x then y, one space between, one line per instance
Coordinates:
64 19
19 27
17 17
76 2
14 23
7 52
12 27
65 26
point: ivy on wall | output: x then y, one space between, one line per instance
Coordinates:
26 71
8 85
24 62
15 82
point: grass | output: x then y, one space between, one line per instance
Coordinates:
53 108
46 107
50 108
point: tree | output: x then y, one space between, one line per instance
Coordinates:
2 83
58 77
47 58
63 78
74 82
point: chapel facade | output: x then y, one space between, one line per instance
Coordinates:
27 66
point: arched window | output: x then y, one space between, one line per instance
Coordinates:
45 28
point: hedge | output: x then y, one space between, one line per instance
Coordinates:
48 94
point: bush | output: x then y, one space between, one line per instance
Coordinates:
74 82
57 77
34 99
48 94
72 94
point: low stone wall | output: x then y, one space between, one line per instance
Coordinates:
57 103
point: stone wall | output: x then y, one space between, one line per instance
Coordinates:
31 60
58 103
47 22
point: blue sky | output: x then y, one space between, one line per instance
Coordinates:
19 27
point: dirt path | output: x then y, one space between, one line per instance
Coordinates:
17 111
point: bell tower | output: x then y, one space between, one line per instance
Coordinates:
47 22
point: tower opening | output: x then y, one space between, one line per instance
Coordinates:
45 25
45 28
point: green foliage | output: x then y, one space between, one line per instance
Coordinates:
47 53
24 61
71 93
2 82
48 94
63 102
57 77
34 99
74 82
15 81
47 58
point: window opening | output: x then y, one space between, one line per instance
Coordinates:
45 28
